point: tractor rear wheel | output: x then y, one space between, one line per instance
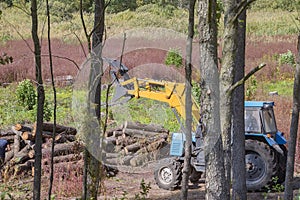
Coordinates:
260 164
169 176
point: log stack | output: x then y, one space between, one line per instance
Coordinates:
19 158
134 144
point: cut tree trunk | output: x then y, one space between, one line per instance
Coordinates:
145 127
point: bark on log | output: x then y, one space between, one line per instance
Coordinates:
59 129
125 141
133 147
64 158
17 144
27 136
152 146
61 138
139 160
63 149
8 156
139 133
22 155
22 128
144 127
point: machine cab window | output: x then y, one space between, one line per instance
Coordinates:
268 119
252 121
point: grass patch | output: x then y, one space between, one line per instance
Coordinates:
284 87
260 23
11 112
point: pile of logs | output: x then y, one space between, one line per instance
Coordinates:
19 158
134 144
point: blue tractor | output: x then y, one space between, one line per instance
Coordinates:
265 157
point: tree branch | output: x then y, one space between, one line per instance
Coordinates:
241 8
65 58
242 81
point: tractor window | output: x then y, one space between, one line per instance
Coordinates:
252 121
269 121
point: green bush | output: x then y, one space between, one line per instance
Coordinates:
26 95
174 58
287 58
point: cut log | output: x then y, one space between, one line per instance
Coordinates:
64 158
19 133
139 160
153 146
17 144
8 156
139 133
144 127
63 149
125 141
22 128
59 128
27 136
133 147
110 140
22 155
61 138
117 133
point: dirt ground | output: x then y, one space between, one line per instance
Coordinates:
116 186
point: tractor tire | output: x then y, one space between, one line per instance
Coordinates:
281 164
195 176
169 176
260 164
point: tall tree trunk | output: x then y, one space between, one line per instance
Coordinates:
92 164
40 102
54 101
239 190
226 81
288 192
188 102
210 101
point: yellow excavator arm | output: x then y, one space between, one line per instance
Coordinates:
164 91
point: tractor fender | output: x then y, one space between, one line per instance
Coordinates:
268 140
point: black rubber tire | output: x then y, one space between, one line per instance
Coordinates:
195 176
169 176
261 164
281 160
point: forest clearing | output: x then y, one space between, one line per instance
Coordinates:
273 83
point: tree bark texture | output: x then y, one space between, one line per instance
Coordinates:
226 81
210 101
188 102
239 190
40 102
288 192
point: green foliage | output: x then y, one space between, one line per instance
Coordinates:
283 87
174 58
251 87
288 5
287 58
116 6
145 188
142 195
26 95
273 187
12 112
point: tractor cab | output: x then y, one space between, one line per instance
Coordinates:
259 117
260 122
